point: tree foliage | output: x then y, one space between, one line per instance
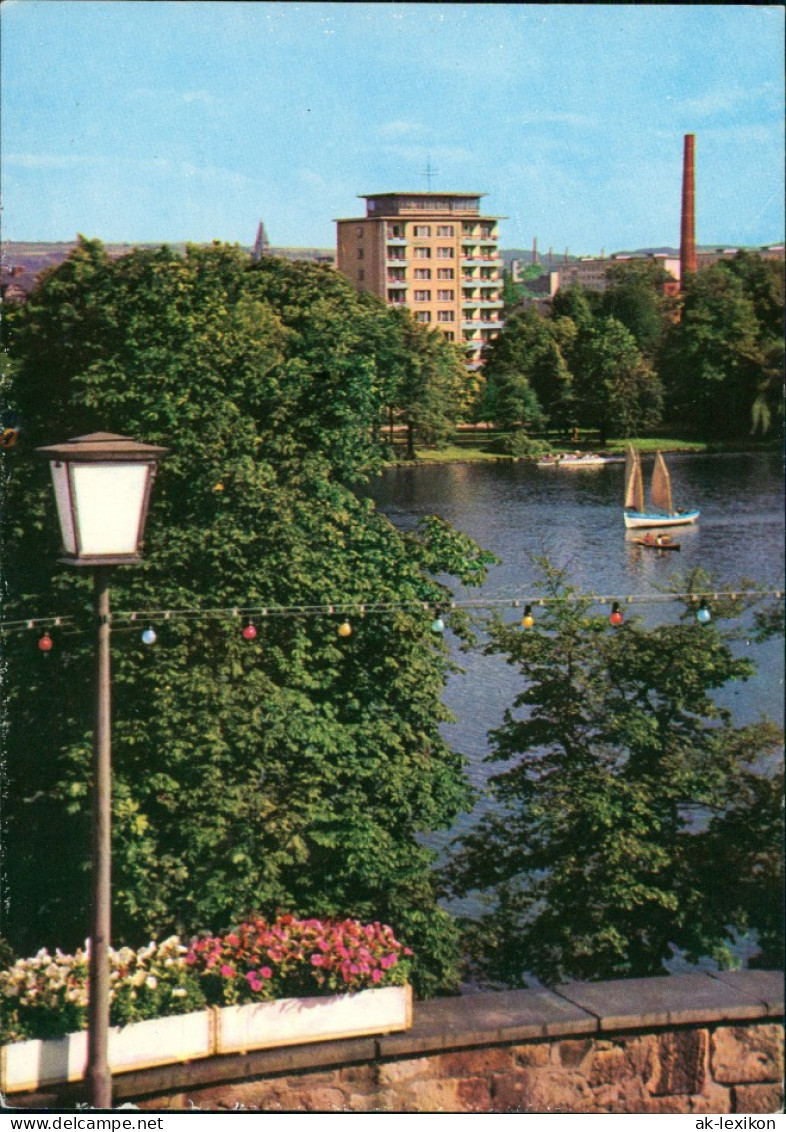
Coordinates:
630 815
632 357
722 362
293 774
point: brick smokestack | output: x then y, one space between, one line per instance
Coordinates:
688 224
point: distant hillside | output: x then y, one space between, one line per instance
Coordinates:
25 260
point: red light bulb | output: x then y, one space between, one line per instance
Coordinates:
249 632
45 642
617 616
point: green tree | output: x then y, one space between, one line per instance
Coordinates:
615 390
593 854
635 297
430 390
527 379
575 303
722 362
297 772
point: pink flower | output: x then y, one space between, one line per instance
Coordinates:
265 972
376 975
254 982
387 961
226 971
317 960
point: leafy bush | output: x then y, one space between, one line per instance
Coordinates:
519 444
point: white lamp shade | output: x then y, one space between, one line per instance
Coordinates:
103 504
102 486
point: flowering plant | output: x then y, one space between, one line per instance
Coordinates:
291 958
46 996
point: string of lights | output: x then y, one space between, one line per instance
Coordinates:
347 608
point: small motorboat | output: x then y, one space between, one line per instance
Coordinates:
657 542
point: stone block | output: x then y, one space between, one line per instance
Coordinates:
677 1063
427 1096
485 1019
714 1098
765 986
747 1054
545 1091
394 1072
474 1094
758 1098
572 1052
607 1066
537 1054
474 1062
625 1004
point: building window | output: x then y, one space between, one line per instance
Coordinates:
445 273
424 253
359 231
422 272
422 231
446 296
396 273
423 296
361 275
422 316
360 253
446 316
445 230
451 337
397 296
444 253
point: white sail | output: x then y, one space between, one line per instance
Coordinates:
661 486
634 485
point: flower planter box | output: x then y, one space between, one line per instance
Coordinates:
295 1021
30 1065
156 1041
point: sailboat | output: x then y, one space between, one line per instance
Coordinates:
662 512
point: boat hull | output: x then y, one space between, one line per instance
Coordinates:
655 545
636 520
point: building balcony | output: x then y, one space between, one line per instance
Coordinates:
481 324
395 260
479 260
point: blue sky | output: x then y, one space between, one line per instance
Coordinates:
170 120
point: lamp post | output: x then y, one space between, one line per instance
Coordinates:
102 486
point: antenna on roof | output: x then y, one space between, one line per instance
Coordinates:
428 173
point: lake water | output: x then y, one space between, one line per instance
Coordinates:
574 517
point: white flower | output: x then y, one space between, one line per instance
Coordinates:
151 981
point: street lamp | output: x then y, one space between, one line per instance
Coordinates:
102 488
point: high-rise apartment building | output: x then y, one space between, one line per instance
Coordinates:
433 253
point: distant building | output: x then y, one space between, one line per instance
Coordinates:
768 251
590 273
433 253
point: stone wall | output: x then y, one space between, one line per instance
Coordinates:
695 1043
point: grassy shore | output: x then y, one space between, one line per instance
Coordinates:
479 452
